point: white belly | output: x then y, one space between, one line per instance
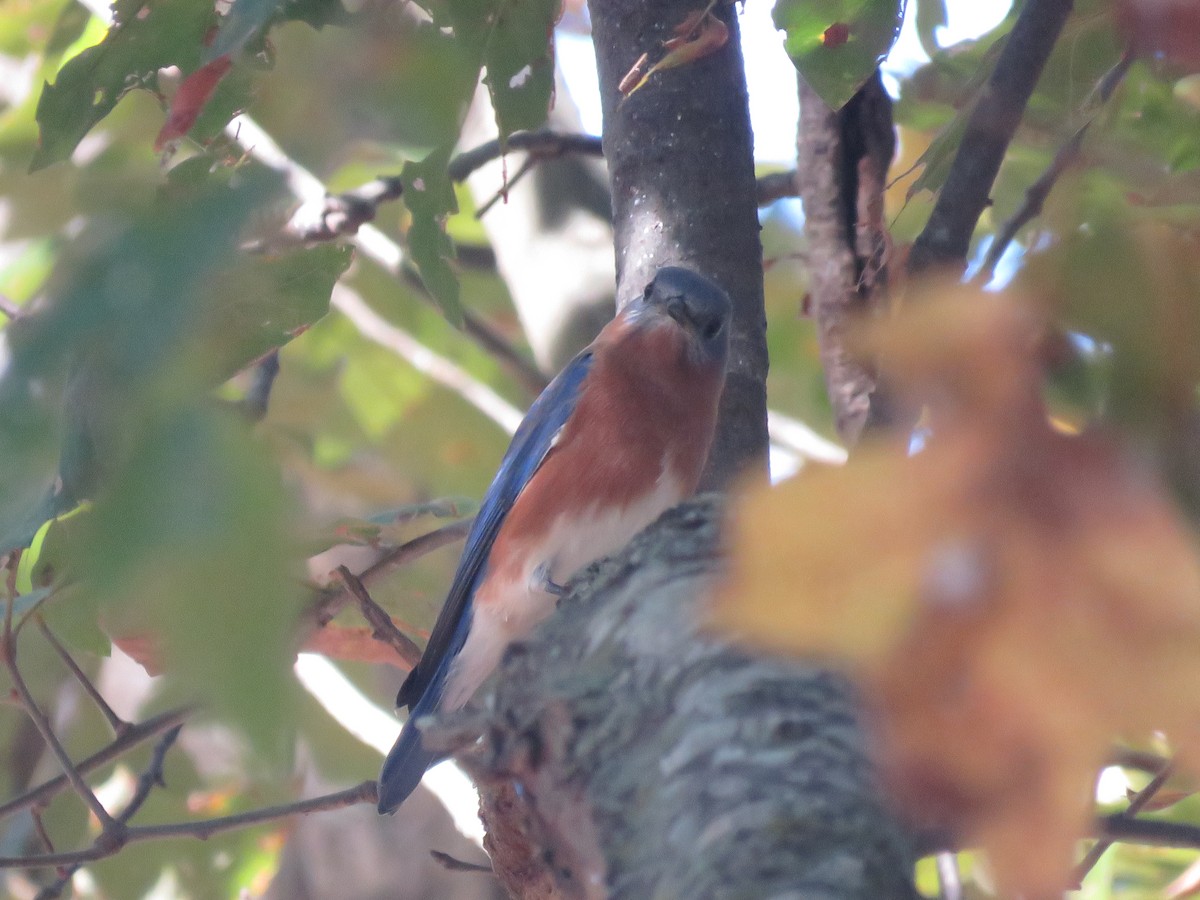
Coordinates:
505 611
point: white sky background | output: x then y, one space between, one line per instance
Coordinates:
769 73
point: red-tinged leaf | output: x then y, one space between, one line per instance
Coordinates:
836 35
1167 27
190 99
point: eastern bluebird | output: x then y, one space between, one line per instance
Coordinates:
621 435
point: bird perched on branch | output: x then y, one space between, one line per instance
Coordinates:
618 437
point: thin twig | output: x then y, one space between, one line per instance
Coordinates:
948 876
118 725
384 629
1142 760
258 395
454 864
776 186
331 604
8 650
151 777
993 122
379 330
543 144
202 829
1139 801
342 215
1036 194
135 735
40 827
9 307
1153 832
509 183
373 243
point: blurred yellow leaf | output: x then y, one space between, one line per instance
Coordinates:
1009 599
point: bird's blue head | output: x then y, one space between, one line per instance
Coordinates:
697 304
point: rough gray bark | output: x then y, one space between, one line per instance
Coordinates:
681 163
841 173
657 760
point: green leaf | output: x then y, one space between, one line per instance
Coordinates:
520 62
260 303
190 544
145 38
116 318
68 28
931 15
244 19
837 44
429 195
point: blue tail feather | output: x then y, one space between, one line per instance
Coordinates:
406 763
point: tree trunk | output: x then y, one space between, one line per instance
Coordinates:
658 760
681 163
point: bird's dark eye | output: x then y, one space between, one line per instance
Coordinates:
712 329
648 291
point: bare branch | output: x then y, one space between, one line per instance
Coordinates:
454 864
1036 194
543 144
375 328
843 160
948 876
776 186
8 651
132 737
366 792
118 725
330 605
9 308
1139 801
151 777
384 629
373 243
946 237
1154 832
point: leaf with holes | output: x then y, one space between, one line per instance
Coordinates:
142 41
429 196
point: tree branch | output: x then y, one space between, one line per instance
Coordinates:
1154 832
8 651
841 173
330 604
375 328
373 243
946 238
654 744
1136 805
681 166
1036 194
202 829
540 145
151 777
132 737
115 722
385 629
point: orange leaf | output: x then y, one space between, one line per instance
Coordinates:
190 99
1009 600
700 34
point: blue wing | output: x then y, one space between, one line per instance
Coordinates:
422 689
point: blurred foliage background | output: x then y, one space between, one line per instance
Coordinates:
165 509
